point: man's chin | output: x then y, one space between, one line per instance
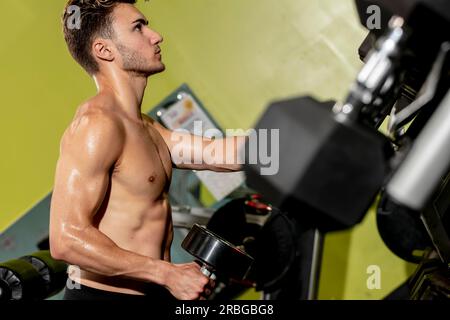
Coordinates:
163 67
156 70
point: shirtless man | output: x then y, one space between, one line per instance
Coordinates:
110 214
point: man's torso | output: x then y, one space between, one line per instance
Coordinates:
135 212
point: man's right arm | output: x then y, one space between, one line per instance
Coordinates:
89 150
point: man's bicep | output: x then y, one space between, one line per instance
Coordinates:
79 191
82 175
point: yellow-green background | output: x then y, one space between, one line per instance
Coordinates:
237 55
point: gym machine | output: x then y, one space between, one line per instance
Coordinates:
342 160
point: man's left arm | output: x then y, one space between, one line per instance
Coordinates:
200 153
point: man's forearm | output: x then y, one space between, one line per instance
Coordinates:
93 251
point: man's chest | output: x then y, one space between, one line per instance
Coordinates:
145 165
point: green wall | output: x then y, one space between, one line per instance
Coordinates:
237 56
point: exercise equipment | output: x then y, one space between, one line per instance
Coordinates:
336 172
402 230
32 277
53 272
266 234
431 280
216 255
19 280
286 253
342 161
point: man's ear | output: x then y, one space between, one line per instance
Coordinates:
102 49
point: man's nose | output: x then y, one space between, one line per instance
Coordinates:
156 37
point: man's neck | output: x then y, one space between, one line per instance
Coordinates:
126 87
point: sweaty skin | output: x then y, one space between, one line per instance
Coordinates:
110 214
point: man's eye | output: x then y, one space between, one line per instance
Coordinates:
138 27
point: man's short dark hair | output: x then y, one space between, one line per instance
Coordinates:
95 20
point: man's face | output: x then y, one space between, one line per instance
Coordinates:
137 44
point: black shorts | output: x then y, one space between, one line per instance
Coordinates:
153 292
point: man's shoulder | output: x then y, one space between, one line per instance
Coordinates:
93 121
97 111
99 107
